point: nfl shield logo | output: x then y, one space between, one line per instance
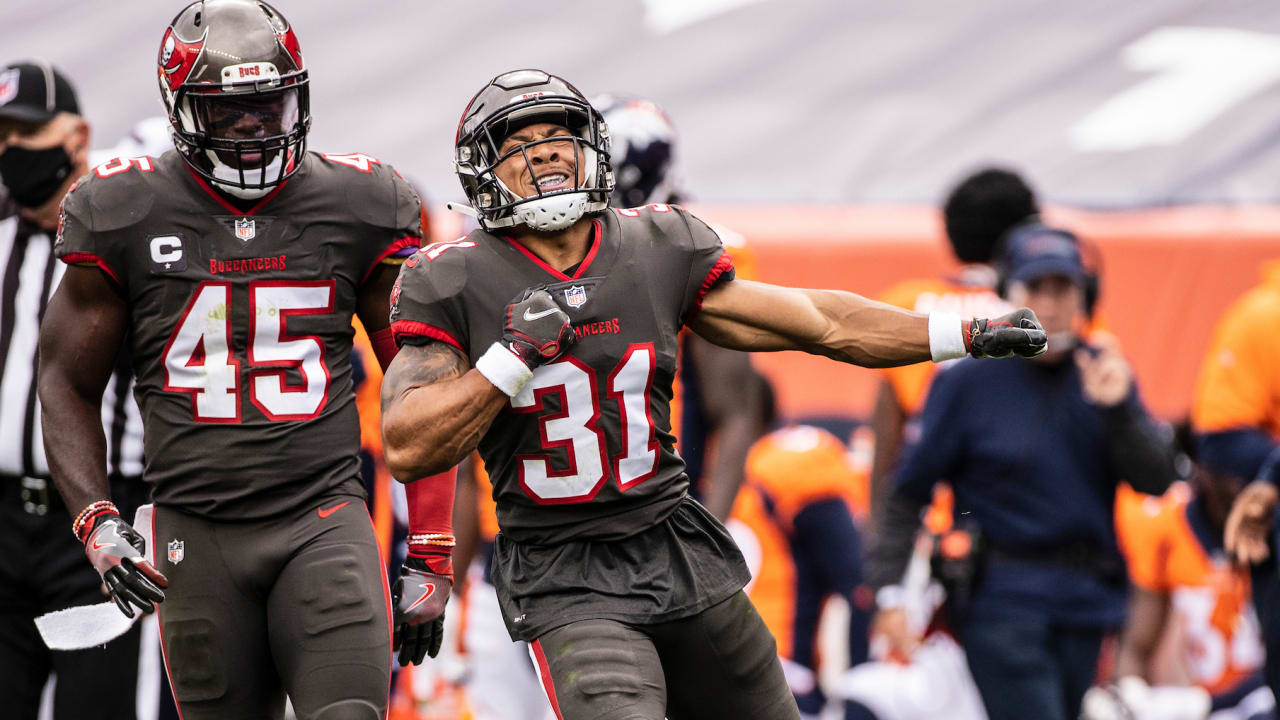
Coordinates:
245 228
8 86
177 551
576 296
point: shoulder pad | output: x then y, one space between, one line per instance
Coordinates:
116 194
435 272
672 223
374 191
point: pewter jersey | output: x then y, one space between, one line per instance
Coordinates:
585 450
242 320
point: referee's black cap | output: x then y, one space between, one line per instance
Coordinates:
34 92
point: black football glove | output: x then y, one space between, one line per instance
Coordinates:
116 551
419 597
537 330
1018 333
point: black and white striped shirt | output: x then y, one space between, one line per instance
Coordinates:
30 275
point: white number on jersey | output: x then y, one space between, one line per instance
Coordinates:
576 427
198 358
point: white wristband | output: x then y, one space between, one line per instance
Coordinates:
946 338
501 367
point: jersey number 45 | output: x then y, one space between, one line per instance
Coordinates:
198 358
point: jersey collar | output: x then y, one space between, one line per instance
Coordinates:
596 241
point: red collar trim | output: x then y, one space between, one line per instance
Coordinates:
217 196
582 266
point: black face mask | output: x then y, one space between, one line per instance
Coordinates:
33 176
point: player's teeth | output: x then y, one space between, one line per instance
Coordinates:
552 180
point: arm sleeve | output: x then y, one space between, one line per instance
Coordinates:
426 301
1138 451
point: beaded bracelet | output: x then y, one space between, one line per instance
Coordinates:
90 512
436 539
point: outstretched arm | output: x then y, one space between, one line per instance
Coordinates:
753 316
746 315
435 408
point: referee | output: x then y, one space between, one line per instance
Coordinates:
44 147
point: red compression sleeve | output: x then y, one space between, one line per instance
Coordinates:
384 347
431 520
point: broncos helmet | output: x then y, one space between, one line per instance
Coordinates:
235 87
507 103
644 147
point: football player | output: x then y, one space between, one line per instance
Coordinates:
1182 578
232 265
629 592
794 524
715 396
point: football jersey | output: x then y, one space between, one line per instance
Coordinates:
242 320
1239 384
1171 550
585 450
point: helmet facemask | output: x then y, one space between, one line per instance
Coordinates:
479 155
273 116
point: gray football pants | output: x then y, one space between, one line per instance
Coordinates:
295 604
721 664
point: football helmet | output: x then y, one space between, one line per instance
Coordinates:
644 148
235 87
507 103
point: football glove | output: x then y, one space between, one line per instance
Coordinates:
419 597
536 329
1018 333
116 551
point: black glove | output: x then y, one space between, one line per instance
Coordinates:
1018 333
116 551
537 330
419 597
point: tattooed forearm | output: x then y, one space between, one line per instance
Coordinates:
435 409
418 366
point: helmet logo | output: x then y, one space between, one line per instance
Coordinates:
526 96
177 58
167 52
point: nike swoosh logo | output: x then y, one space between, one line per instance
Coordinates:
326 512
96 546
431 590
528 316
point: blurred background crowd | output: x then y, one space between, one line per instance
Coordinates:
1114 168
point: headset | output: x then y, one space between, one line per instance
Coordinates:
1033 226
